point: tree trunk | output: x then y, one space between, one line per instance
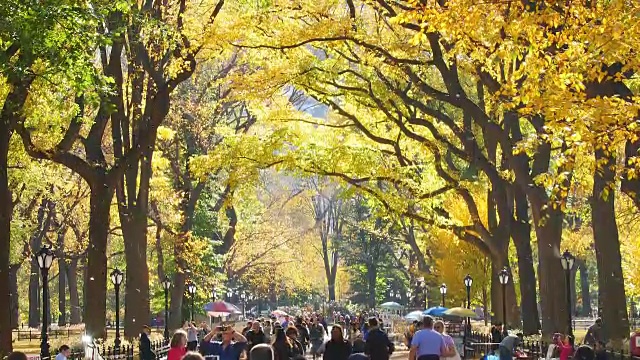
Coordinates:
137 310
74 298
585 291
521 234
62 281
14 301
96 285
372 276
513 315
605 235
177 295
34 291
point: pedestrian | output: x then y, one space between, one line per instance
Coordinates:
601 351
17 355
427 344
145 344
585 352
337 348
247 328
192 355
594 333
378 346
451 352
566 349
508 345
192 336
231 346
268 330
316 337
282 347
297 349
303 333
178 345
63 352
496 335
255 336
263 352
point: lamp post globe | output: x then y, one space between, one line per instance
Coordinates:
166 285
503 276
443 292
567 260
116 280
45 258
191 289
408 297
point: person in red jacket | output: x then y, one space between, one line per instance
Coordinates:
178 346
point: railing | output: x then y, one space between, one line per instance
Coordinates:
31 334
479 345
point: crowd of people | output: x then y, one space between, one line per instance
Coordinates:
287 339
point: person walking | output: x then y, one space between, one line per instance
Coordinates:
337 348
282 347
316 337
427 344
450 353
297 349
145 345
378 346
177 346
261 352
255 336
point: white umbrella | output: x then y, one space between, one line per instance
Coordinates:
414 316
391 305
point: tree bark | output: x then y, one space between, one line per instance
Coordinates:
96 282
14 301
611 294
585 291
74 298
34 289
372 276
521 234
62 279
513 315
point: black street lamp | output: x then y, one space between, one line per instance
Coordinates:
45 258
467 283
116 279
420 283
166 285
191 289
503 276
408 298
243 296
214 295
443 291
567 260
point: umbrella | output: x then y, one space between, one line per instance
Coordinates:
391 305
279 313
435 311
414 316
461 312
221 308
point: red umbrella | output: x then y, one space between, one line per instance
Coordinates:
221 308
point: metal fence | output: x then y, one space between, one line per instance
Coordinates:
479 345
124 352
28 334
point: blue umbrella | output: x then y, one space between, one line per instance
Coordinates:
435 311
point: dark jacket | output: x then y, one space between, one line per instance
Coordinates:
303 334
297 351
378 345
254 338
337 350
282 351
145 348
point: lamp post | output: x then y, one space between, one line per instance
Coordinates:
420 283
116 279
408 298
467 284
243 296
166 285
45 258
443 291
567 260
191 289
503 276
